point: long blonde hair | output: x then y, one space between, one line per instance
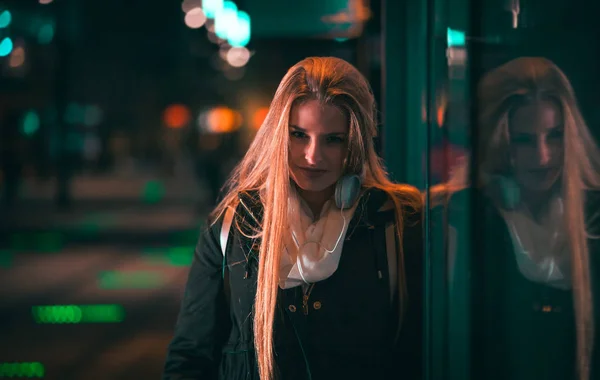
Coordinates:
530 79
265 169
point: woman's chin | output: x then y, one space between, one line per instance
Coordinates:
313 186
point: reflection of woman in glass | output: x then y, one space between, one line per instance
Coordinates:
538 165
304 289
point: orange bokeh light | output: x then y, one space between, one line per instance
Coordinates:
176 116
223 120
259 117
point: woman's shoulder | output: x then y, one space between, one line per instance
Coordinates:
382 203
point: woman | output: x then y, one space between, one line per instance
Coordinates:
304 290
538 167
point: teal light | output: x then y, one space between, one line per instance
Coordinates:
29 370
5 19
46 34
341 39
6 46
31 123
226 20
211 7
239 33
74 113
456 38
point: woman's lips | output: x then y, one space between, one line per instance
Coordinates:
312 173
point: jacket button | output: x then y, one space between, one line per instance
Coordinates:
292 308
317 305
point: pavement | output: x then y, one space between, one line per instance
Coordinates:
93 292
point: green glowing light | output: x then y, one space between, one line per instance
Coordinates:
30 370
6 258
153 192
175 256
130 280
73 314
180 256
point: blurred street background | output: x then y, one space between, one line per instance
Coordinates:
120 120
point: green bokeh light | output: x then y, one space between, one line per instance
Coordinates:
30 370
73 314
110 280
6 258
180 256
153 192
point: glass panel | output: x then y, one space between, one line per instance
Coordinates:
519 102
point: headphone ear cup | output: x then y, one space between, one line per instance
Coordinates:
347 190
506 190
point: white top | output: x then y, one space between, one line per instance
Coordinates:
312 248
541 248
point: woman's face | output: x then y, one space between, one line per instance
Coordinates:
537 146
318 145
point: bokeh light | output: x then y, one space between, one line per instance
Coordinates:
188 5
29 370
220 120
17 58
226 20
31 123
211 7
238 56
46 33
259 117
73 314
195 18
6 46
5 19
176 116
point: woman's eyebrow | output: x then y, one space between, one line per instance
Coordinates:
295 127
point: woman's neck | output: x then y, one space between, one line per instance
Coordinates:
316 199
538 202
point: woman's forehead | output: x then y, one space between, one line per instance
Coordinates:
315 117
536 117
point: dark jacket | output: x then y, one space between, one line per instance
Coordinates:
520 329
348 330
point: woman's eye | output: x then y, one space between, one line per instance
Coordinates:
556 135
335 139
298 134
522 140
